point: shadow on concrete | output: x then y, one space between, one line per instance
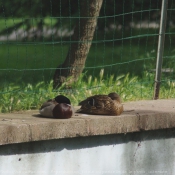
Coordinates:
84 142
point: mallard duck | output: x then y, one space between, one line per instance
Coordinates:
59 107
102 104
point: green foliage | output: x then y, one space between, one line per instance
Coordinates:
129 87
35 63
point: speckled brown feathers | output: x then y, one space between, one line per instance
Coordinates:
102 104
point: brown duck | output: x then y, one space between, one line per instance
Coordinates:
102 104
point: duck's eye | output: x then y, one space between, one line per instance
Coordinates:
91 102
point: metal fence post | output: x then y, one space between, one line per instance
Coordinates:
160 48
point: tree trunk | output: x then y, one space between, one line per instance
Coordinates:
81 41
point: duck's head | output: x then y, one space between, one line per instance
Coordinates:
115 96
62 99
63 111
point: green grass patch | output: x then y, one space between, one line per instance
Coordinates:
29 63
130 88
37 62
27 69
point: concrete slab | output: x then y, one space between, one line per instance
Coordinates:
27 126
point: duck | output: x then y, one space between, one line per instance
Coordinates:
102 105
60 107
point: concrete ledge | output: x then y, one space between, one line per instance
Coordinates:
28 126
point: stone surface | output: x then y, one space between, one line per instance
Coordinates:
29 126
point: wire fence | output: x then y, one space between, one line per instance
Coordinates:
35 37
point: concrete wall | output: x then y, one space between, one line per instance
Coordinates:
148 152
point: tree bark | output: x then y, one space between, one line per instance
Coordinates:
81 40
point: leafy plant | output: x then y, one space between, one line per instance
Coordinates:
15 98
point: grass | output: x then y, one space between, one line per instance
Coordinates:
35 63
26 71
130 88
27 87
23 62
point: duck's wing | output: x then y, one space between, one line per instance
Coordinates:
91 100
107 106
102 105
47 103
47 111
84 101
93 103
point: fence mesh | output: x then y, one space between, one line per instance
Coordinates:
35 37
